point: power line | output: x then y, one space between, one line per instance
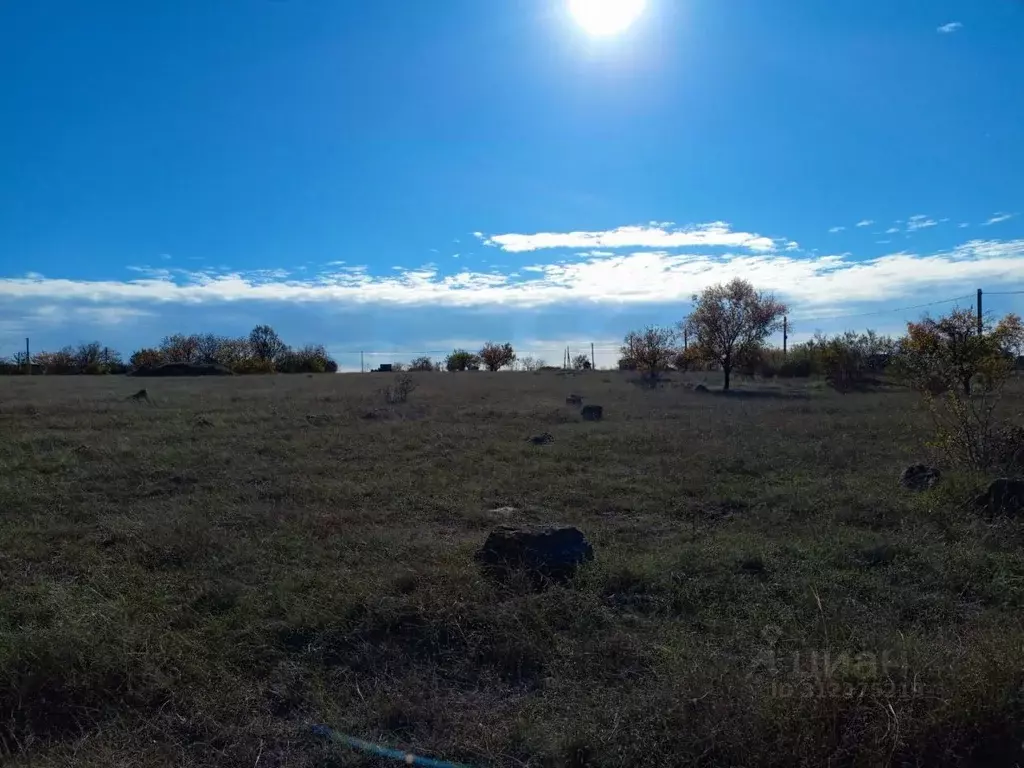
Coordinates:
1003 293
890 311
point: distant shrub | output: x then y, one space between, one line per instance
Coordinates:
309 359
422 364
795 369
461 360
581 363
496 356
649 351
961 371
254 365
399 389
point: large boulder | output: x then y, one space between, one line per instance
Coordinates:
184 369
1002 497
919 477
541 553
592 412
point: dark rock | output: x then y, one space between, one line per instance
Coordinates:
919 477
542 439
700 388
1003 497
592 412
541 553
574 400
184 369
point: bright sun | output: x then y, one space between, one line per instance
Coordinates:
606 17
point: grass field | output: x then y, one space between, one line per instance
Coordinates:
197 581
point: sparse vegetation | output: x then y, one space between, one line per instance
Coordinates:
422 364
399 389
962 370
461 360
261 352
198 595
496 356
649 351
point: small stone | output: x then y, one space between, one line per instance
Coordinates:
574 400
1003 497
919 477
592 413
542 439
700 388
542 553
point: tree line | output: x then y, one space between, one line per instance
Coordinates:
262 351
730 324
728 330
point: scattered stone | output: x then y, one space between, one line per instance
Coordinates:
574 400
1003 497
592 412
879 555
202 421
319 419
542 553
542 439
184 369
754 566
919 477
700 388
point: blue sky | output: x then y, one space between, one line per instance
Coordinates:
414 175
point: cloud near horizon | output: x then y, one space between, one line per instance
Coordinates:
594 277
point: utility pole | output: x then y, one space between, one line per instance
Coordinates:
785 333
362 368
979 311
28 359
593 362
686 338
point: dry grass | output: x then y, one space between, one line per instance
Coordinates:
197 581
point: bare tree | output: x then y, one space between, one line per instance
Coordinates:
421 364
266 345
530 363
581 363
648 351
731 322
179 348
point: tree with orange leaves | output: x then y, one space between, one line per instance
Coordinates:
952 352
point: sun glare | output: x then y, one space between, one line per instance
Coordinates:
606 17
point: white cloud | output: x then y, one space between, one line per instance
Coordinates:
998 218
953 26
713 234
915 223
834 230
865 223
963 225
893 231
635 278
